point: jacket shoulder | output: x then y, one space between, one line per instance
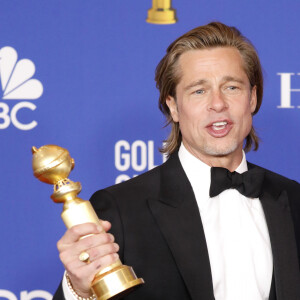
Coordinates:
146 183
138 187
277 181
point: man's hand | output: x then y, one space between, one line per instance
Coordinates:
100 246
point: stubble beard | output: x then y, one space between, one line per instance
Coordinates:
219 150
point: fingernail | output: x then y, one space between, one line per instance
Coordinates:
99 228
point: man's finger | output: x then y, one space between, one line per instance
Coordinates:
74 233
106 225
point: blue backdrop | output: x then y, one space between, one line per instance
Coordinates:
80 74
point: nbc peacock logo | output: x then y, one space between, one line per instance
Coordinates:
17 84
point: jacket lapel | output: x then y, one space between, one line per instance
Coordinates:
276 208
178 217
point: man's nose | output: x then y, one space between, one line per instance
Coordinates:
217 102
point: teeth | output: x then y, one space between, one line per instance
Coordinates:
220 124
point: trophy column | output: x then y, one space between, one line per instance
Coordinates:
52 164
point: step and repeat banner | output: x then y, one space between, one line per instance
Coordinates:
80 74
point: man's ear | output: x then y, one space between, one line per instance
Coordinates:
171 102
253 99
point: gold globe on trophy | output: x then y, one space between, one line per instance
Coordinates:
161 12
52 164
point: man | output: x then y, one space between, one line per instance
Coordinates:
187 236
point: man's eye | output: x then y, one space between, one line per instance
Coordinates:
199 92
232 88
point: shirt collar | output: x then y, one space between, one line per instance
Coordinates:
243 167
198 172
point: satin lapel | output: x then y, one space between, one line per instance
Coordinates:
284 249
178 218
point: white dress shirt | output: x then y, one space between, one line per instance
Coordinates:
236 234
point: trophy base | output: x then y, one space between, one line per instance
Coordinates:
161 16
116 283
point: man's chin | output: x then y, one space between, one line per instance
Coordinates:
221 151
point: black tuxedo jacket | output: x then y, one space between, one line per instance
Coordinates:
156 222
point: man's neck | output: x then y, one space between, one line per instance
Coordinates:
229 161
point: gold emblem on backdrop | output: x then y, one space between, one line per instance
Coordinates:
161 12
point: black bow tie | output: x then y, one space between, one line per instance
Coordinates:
248 183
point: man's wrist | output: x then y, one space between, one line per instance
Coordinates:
69 292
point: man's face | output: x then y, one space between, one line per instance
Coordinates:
214 103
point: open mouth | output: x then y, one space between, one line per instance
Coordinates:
220 128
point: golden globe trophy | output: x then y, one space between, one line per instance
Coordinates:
52 164
161 12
